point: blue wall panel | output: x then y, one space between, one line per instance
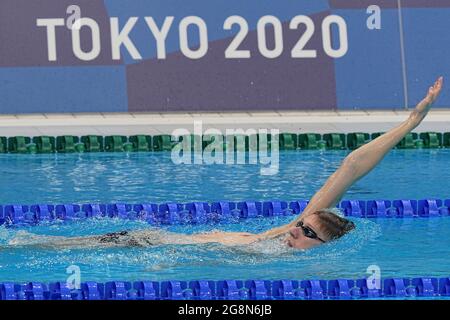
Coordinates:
427 46
370 74
63 89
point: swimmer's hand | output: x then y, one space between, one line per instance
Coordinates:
422 108
433 91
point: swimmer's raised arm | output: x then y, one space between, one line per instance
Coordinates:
361 161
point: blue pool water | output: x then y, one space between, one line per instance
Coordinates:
406 247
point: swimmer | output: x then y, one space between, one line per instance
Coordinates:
318 224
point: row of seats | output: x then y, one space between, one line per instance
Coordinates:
229 289
143 143
203 212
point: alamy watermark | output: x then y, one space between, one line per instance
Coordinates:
73 281
374 280
234 146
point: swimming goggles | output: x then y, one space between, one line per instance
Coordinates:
308 232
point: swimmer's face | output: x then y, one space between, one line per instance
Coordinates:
297 239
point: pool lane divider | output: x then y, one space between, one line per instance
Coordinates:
339 289
215 212
146 143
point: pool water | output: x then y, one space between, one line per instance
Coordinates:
406 247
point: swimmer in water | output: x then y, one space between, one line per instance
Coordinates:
315 226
